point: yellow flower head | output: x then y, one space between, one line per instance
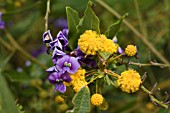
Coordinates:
78 79
89 42
130 50
78 85
108 45
129 81
97 99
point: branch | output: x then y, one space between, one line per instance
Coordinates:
150 64
136 32
22 51
47 14
154 100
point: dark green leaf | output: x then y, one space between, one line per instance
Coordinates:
7 104
107 79
113 29
90 21
73 20
104 55
81 101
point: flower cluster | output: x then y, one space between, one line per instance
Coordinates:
129 81
63 63
97 99
90 42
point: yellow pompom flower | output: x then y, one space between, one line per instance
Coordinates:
78 85
129 81
97 99
107 45
78 79
89 42
130 50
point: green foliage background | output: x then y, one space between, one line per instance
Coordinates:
24 22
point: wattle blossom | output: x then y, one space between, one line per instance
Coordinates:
67 64
2 24
58 78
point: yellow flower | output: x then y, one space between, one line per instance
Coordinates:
59 99
78 79
129 81
97 99
89 42
108 45
78 85
130 50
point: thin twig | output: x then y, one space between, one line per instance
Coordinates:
153 99
5 44
136 32
22 51
47 14
150 64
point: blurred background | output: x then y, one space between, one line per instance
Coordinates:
23 58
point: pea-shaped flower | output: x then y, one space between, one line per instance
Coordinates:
58 78
67 64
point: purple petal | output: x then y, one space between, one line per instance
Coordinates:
120 50
60 87
51 69
63 37
60 62
47 37
55 43
53 77
74 65
57 52
65 76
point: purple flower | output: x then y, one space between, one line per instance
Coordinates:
63 37
55 44
57 54
67 63
2 24
52 69
58 78
47 37
61 23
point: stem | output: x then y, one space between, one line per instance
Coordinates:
22 51
5 44
136 32
47 14
153 98
150 64
111 73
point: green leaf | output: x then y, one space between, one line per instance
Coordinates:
90 21
113 29
4 59
81 101
104 55
7 104
73 20
107 79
